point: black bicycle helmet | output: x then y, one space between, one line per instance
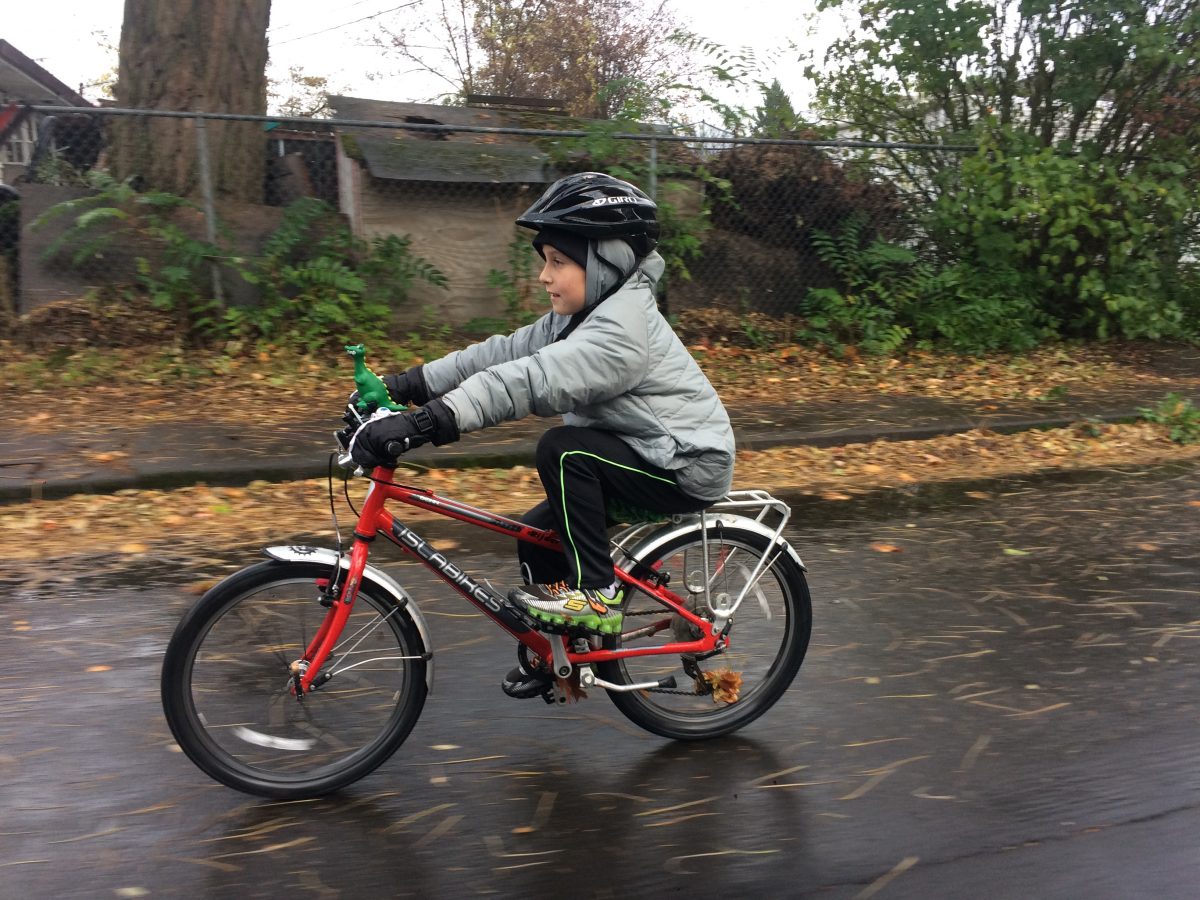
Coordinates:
597 206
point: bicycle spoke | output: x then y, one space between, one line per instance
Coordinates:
767 636
230 693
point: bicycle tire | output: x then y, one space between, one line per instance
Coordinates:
767 656
228 700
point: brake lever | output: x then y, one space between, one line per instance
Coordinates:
354 420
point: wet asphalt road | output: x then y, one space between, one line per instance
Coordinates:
1001 698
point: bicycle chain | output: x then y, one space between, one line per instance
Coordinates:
659 612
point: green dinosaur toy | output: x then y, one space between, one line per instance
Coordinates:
371 389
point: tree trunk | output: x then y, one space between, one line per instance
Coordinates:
193 56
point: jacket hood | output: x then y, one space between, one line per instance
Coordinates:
611 263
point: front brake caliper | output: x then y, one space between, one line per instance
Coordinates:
297 670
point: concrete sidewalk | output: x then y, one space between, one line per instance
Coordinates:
36 464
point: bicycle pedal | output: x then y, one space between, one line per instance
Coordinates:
521 685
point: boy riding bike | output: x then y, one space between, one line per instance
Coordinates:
642 424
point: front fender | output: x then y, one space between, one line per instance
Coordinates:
377 577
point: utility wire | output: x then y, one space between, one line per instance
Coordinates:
382 12
288 25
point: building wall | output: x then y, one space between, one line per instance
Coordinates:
464 230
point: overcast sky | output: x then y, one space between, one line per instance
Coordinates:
327 40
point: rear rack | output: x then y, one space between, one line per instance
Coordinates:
754 504
759 500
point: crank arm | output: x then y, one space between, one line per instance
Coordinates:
587 679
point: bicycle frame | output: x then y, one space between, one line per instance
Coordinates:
374 519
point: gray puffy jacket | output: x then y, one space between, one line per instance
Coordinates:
621 370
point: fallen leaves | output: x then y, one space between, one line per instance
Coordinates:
121 388
835 473
134 522
203 520
835 495
1041 376
881 547
200 587
724 683
106 457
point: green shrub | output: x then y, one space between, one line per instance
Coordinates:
878 281
320 286
1096 246
888 296
176 274
1179 415
977 310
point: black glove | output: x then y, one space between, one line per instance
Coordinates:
408 388
388 434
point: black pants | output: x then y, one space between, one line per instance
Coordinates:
581 469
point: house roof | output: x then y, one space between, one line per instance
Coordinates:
403 159
361 109
23 80
449 156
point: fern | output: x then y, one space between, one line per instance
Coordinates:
879 284
294 230
318 283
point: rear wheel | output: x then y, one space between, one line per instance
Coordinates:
767 639
227 692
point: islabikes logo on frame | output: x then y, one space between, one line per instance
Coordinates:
453 573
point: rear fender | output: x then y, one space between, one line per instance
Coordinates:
647 544
377 577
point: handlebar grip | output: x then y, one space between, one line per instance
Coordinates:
395 449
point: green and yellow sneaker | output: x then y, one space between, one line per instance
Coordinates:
588 608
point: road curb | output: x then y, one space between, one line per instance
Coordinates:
233 473
933 493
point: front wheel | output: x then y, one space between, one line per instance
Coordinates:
768 636
227 692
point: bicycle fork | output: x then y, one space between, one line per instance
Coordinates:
306 673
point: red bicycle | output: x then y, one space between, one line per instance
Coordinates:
302 674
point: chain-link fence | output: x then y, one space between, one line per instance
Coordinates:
415 212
